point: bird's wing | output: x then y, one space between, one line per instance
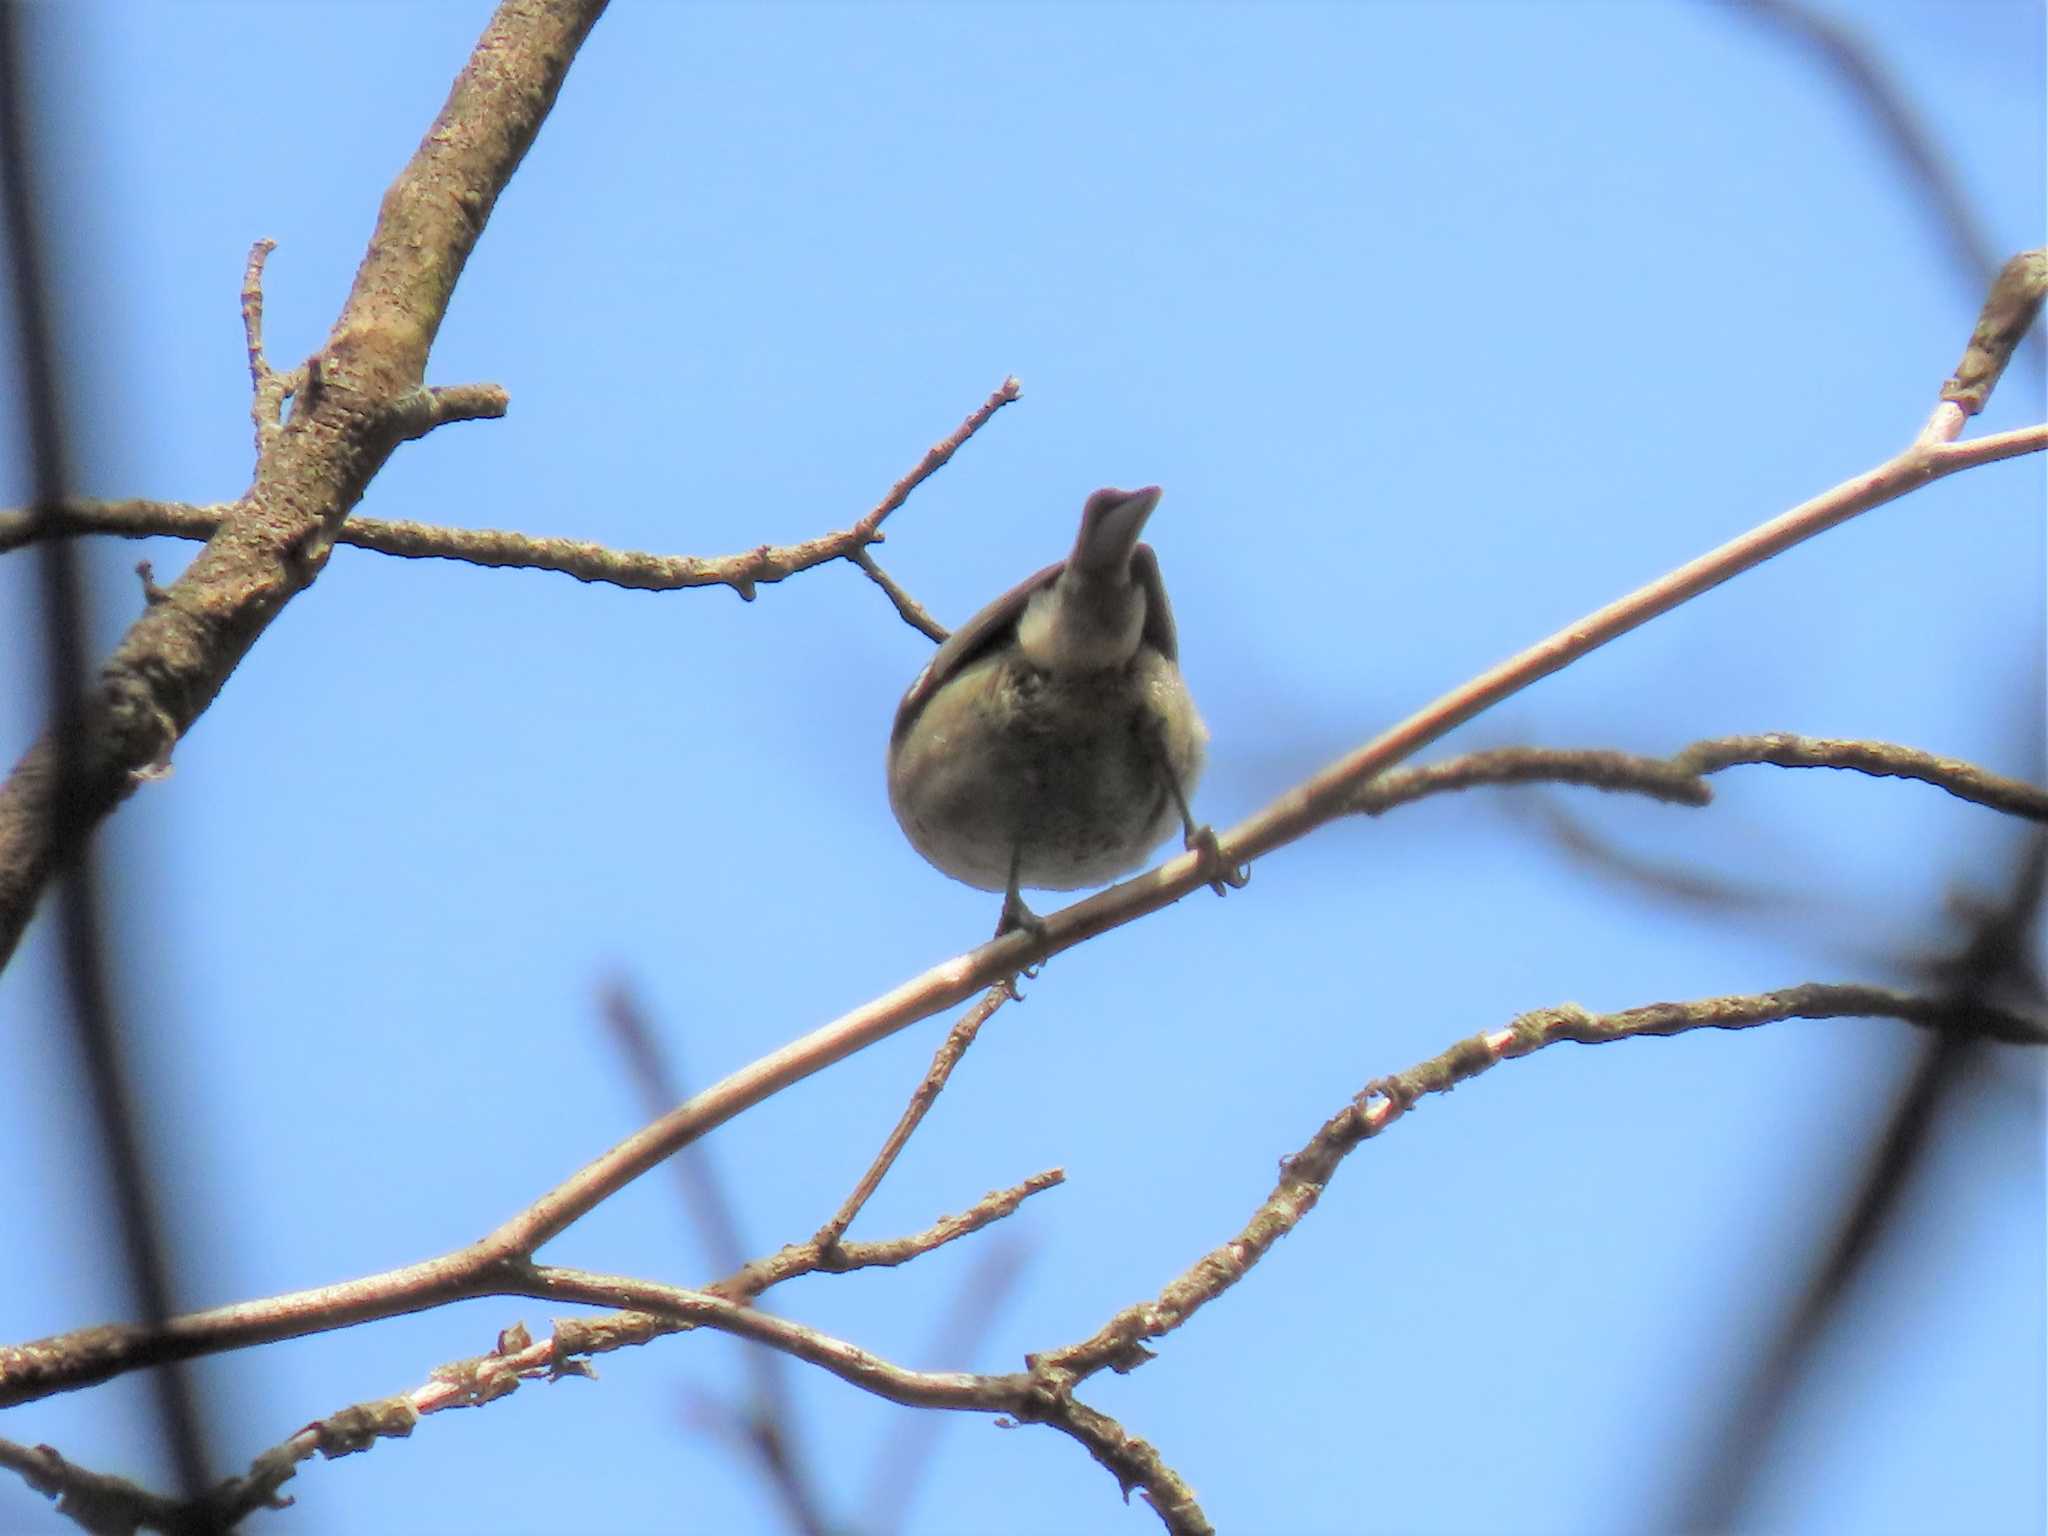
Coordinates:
1159 630
999 620
970 640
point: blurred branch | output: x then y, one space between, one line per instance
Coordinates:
1995 964
909 1451
766 1428
649 1065
1842 49
1668 879
356 400
61 810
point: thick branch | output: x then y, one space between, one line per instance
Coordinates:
361 396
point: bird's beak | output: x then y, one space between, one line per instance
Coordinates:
1110 524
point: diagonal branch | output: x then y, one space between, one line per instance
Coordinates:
947 1057
360 397
95 1354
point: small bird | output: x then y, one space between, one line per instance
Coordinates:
1051 742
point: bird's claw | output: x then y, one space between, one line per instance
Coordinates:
1018 917
1223 876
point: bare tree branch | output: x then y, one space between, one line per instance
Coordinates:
1995 964
1027 1397
1881 759
1120 1343
1680 779
1044 1392
360 397
485 1378
352 381
632 569
91 1011
951 1049
82 1358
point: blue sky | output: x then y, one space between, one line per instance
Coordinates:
1440 325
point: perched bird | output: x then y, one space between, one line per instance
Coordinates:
1051 742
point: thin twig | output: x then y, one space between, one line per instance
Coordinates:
978 1301
1903 131
268 389
936 456
843 1257
947 1057
912 611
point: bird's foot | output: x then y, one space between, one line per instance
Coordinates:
1223 876
1016 916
